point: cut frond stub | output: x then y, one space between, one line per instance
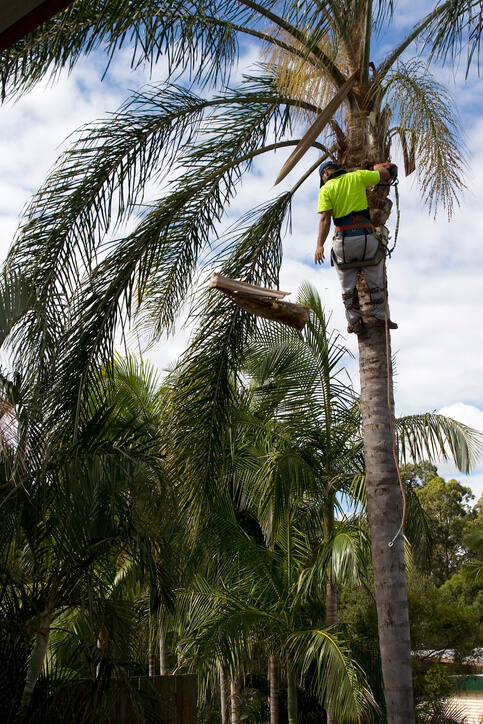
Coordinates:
263 302
316 128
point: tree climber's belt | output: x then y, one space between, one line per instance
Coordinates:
357 223
371 261
354 231
354 224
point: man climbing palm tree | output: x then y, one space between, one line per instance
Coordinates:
343 196
320 61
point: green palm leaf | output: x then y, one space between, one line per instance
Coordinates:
431 436
428 123
190 35
338 679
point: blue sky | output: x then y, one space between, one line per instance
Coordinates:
434 274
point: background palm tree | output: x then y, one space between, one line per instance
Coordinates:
78 515
264 607
318 47
293 442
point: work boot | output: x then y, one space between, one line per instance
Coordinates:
356 328
382 323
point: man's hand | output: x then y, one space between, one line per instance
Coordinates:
324 226
319 254
383 172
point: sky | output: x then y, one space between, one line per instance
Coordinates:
434 274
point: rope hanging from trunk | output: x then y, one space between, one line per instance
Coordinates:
393 434
398 216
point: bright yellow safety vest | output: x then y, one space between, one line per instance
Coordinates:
347 192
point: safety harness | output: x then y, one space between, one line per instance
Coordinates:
354 220
351 225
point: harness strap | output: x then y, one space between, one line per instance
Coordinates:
376 294
359 225
355 220
372 261
349 301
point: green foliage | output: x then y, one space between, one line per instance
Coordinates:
85 488
426 119
437 687
447 504
87 286
78 532
418 475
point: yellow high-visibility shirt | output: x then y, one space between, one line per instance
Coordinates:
347 192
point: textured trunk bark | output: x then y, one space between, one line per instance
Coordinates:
151 661
292 707
274 670
331 596
235 700
151 652
163 651
36 662
384 510
224 699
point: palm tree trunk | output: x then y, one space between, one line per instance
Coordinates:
37 660
331 596
224 699
384 515
274 672
292 708
235 700
151 652
151 660
163 651
331 620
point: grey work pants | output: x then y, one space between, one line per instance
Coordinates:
352 249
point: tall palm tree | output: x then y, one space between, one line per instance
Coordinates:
294 442
318 47
299 378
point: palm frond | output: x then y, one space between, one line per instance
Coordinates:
204 394
159 257
428 123
443 712
431 436
454 28
282 479
16 297
417 530
301 372
339 683
100 179
194 36
345 554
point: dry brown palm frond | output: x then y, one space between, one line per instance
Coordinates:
430 131
299 74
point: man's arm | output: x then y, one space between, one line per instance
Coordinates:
324 228
383 172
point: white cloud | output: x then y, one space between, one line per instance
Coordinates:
467 414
